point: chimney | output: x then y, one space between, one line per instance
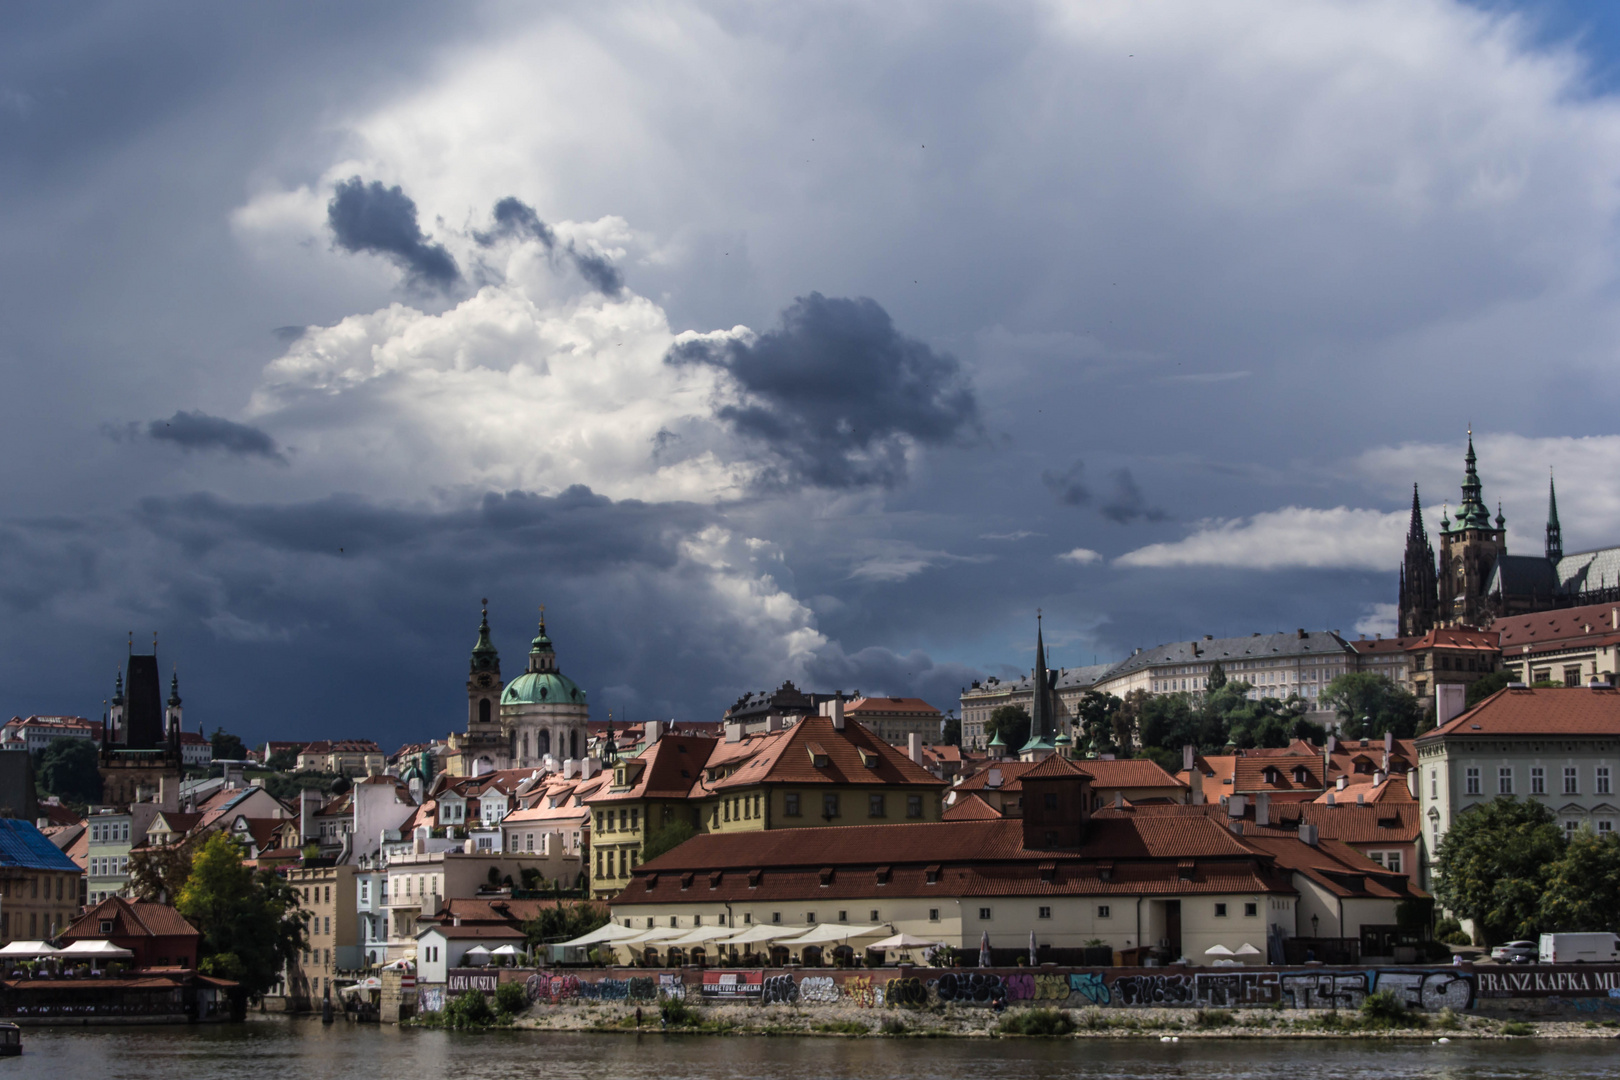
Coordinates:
569 767
1332 800
914 747
1307 835
1412 781
1448 702
1341 783
838 711
469 846
309 804
1197 783
1119 800
419 843
773 723
1380 776
1389 744
589 767
1332 743
994 779
1301 633
734 732
1236 805
1189 757
169 794
653 729
1262 808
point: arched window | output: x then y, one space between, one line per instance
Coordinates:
542 743
573 743
483 711
525 744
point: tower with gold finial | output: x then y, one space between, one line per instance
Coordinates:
482 747
1469 548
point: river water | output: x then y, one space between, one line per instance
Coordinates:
301 1049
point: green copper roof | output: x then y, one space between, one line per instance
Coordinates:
542 688
484 657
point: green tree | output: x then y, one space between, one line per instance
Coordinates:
1217 677
1484 687
668 837
283 760
1270 722
950 732
1493 864
1583 887
563 922
1095 712
1126 719
69 769
1369 705
249 921
228 747
1011 722
157 874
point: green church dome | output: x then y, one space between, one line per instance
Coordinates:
542 688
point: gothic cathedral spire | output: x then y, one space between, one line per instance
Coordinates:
1555 533
1419 602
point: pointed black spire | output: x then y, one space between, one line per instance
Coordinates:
1555 532
484 656
174 688
1418 603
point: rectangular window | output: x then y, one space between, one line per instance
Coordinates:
1251 910
913 806
984 913
1601 781
1471 781
1220 911
1045 913
933 914
810 917
1570 827
829 805
790 804
776 918
1572 675
1605 826
1572 781
1393 861
874 805
874 915
1102 911
843 916
1504 780
1538 780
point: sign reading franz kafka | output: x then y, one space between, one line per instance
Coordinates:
733 985
1583 980
471 979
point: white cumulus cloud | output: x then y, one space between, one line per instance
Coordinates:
1293 537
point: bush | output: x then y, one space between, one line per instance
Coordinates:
511 998
1450 932
1213 1018
1518 1028
1447 1019
842 1027
677 1013
1037 1022
894 1026
469 1010
1384 1009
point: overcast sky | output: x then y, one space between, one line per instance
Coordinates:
764 342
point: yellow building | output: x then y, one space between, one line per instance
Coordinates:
822 771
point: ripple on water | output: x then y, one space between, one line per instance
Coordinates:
305 1050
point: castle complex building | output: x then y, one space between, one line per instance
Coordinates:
1477 581
518 725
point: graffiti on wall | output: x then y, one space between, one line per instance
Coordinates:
672 986
431 999
1428 990
1327 990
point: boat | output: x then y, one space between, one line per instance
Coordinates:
10 1040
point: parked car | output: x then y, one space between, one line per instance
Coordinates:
1516 952
1579 949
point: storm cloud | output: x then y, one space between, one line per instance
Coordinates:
516 218
838 395
1068 487
199 431
382 221
1126 503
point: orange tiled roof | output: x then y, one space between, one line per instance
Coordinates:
971 808
1560 711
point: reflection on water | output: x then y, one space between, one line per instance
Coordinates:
305 1050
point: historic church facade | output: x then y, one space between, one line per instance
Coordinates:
1476 580
518 725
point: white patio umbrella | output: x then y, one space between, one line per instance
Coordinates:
612 932
507 950
478 956
95 950
1246 949
701 934
648 937
1217 950
765 932
27 950
827 933
903 941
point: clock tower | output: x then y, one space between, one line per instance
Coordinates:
484 679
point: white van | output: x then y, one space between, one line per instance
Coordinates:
1579 949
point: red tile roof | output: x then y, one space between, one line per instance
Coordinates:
1249 774
1129 773
671 768
890 706
971 807
1595 620
130 919
1560 711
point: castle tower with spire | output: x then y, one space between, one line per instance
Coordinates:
1555 532
1469 548
1419 603
1042 716
483 746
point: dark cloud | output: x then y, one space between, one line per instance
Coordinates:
837 394
371 218
882 672
516 218
1068 487
199 431
1127 504
289 334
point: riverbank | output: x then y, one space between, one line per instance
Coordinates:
952 1021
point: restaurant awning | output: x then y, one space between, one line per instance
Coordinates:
827 933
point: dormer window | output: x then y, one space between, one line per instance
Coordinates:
1300 775
1272 776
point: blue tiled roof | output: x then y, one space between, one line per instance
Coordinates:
25 847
